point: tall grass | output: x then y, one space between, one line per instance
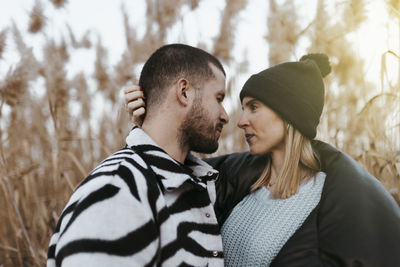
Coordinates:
49 141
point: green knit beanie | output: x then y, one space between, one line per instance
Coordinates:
294 90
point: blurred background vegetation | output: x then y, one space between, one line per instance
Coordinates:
51 140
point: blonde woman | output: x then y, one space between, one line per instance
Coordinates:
295 201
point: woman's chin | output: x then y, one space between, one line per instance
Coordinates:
256 152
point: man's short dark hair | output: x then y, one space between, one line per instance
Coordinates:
171 62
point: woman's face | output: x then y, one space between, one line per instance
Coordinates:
263 128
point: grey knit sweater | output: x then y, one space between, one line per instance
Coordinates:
259 226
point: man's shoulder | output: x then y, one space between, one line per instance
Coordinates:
113 161
123 169
103 201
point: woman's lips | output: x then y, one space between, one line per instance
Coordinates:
248 137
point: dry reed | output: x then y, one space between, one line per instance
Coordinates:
83 43
3 37
224 42
37 18
283 30
59 3
14 85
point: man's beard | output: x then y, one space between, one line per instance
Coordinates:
197 130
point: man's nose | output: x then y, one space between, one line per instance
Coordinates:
224 116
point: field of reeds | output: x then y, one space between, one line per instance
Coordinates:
55 127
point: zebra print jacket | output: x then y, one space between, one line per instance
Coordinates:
140 207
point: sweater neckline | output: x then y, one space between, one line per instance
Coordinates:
264 195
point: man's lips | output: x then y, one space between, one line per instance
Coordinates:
219 128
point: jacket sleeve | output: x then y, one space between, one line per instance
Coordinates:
107 222
359 221
356 223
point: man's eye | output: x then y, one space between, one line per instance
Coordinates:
253 107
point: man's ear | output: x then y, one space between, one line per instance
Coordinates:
183 91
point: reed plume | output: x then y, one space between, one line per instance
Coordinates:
283 29
59 3
224 43
100 73
3 38
37 18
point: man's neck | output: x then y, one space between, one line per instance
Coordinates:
165 133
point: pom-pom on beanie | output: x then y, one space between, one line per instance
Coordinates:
294 90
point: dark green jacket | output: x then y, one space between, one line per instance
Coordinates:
356 223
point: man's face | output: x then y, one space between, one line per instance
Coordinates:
203 125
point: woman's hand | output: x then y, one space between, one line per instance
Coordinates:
134 101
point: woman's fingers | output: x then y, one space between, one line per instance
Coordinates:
137 116
134 105
133 96
131 88
139 112
132 92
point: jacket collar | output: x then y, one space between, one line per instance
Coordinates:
172 174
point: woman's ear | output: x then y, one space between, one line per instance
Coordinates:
183 92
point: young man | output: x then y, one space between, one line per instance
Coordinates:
151 203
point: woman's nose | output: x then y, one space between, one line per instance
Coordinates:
243 122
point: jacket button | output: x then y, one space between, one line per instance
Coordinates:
215 253
208 215
209 173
